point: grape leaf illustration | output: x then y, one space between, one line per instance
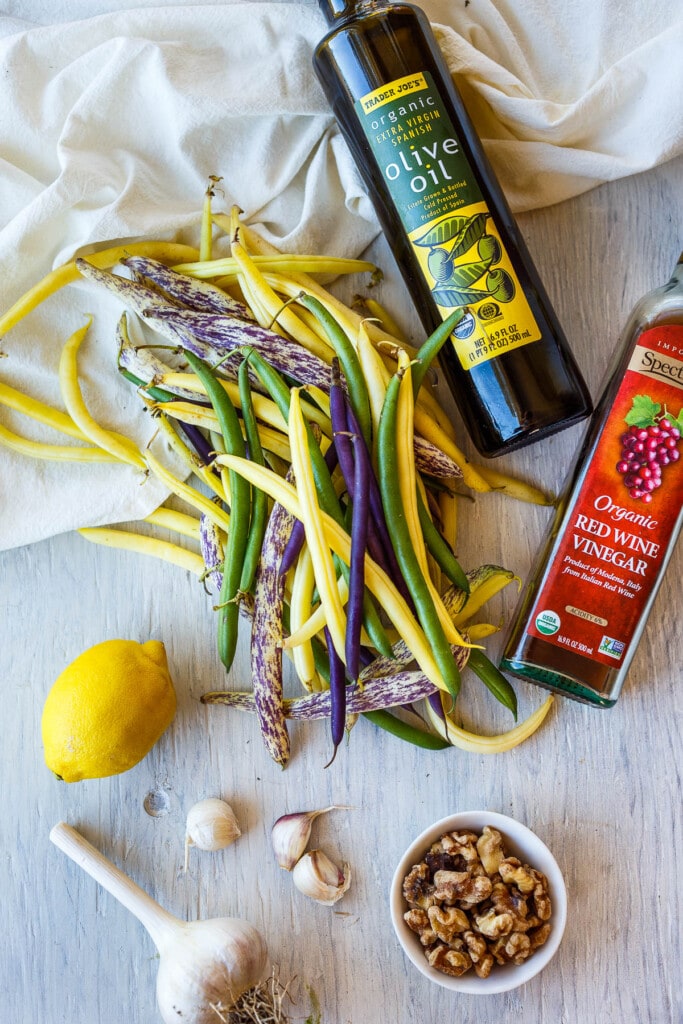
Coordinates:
677 421
643 412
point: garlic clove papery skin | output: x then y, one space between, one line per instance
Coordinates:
211 825
290 834
205 968
319 878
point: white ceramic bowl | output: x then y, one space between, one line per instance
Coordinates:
519 841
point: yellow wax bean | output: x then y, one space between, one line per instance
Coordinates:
52 452
121 447
36 410
301 597
188 493
143 545
477 744
276 311
171 519
323 565
165 252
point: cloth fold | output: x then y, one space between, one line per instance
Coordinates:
113 119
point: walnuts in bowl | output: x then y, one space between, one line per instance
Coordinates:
473 906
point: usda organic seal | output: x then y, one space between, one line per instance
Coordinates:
547 622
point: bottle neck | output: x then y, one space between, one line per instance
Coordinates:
677 276
340 10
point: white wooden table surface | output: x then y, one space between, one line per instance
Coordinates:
601 788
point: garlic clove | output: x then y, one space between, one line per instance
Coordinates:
290 834
211 825
319 878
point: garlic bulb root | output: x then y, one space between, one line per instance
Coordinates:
206 967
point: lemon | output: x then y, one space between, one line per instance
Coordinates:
107 709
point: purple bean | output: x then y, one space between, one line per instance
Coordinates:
345 451
298 536
389 561
337 693
202 447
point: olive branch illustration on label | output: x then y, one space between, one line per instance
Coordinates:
449 243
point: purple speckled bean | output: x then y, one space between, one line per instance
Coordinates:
200 296
210 548
135 296
376 694
143 363
431 461
224 333
266 637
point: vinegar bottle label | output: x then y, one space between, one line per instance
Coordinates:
618 532
447 221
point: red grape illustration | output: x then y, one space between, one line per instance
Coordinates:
651 443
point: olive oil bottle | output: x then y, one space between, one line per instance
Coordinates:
444 214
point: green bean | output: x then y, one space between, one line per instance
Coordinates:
440 550
428 351
280 393
240 506
397 727
400 538
158 394
350 363
493 679
259 505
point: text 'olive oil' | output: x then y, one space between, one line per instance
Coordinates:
446 219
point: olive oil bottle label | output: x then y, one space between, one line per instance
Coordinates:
611 553
446 219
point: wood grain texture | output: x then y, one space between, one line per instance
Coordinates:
601 788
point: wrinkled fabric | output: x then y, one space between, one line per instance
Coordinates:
112 121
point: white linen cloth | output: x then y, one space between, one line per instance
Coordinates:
113 119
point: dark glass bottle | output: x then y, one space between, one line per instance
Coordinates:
446 219
587 601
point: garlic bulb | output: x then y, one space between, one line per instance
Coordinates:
290 834
211 825
317 877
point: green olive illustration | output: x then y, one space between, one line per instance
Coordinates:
500 285
439 264
489 249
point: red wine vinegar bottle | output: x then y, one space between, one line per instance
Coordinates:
448 224
587 602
